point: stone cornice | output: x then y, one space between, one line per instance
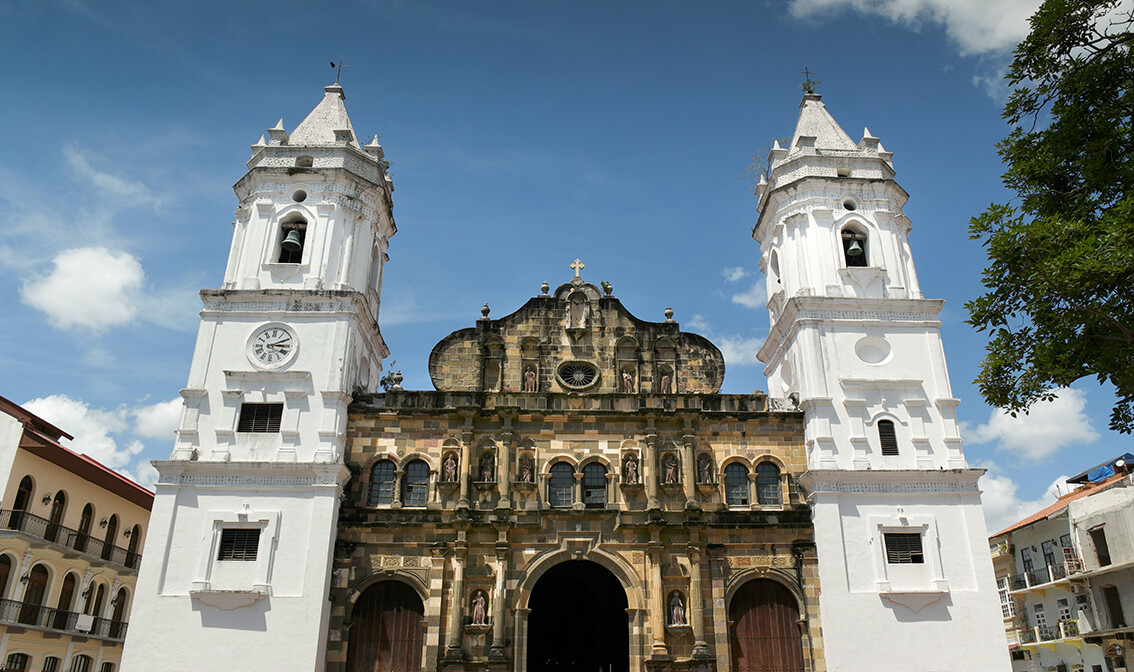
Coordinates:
250 475
807 309
891 482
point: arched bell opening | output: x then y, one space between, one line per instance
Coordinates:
578 620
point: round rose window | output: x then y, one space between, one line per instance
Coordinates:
577 375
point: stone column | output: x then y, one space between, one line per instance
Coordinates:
466 466
396 502
457 612
658 648
697 603
718 572
689 472
649 466
504 466
752 490
579 505
499 600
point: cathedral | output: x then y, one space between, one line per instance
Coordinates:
575 493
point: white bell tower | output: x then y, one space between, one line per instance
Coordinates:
904 568
236 570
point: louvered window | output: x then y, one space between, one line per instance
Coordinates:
239 543
887 437
904 548
260 418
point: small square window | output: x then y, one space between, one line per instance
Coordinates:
904 548
260 418
239 543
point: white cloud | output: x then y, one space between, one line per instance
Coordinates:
125 191
734 273
91 427
144 474
754 297
699 323
159 420
1003 505
739 351
1047 428
977 27
89 287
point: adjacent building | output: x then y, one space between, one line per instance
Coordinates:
70 534
1064 574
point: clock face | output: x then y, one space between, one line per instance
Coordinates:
272 346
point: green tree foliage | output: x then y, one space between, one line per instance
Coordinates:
1059 287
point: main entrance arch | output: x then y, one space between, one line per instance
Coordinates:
765 634
387 634
578 620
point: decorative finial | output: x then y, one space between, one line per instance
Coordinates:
484 311
543 288
578 266
808 84
607 287
669 314
339 66
397 386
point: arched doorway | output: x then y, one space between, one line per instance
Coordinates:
578 620
387 633
111 536
55 519
765 629
20 505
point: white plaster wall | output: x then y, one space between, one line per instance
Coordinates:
10 432
1113 508
284 631
961 631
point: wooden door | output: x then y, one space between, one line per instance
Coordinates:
387 632
765 629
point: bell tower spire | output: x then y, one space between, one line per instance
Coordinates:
246 507
858 347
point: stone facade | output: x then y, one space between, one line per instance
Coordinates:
659 532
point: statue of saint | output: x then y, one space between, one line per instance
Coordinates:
627 382
487 468
450 469
578 311
705 468
529 380
526 469
631 470
665 387
670 468
479 611
676 609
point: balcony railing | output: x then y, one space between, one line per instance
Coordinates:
55 533
35 616
1045 633
1037 577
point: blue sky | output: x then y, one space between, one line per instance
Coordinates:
522 135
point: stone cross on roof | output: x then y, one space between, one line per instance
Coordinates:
578 266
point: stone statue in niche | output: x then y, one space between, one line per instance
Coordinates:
630 470
526 469
666 384
449 469
705 468
676 609
479 608
578 311
670 468
487 468
529 380
627 382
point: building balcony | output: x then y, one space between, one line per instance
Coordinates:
67 540
1064 632
1038 580
25 615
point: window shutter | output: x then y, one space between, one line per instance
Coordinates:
887 437
260 418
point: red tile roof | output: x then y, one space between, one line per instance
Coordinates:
1059 504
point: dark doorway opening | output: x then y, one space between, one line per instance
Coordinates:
578 621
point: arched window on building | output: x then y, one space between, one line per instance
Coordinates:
561 485
85 522
31 610
132 557
51 664
80 663
117 627
55 518
20 662
415 484
5 573
382 483
387 633
736 484
20 504
111 537
887 437
768 484
63 605
594 485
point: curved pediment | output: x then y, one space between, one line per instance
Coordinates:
578 339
